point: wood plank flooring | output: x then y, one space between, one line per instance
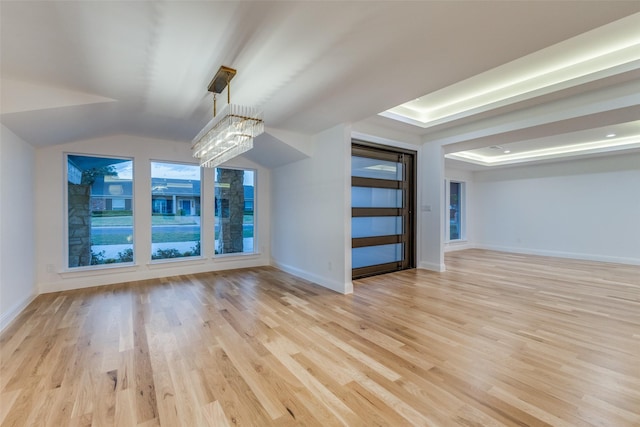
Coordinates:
498 339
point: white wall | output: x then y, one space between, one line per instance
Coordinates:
52 274
17 244
431 215
311 213
584 209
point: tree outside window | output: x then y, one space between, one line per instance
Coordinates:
234 211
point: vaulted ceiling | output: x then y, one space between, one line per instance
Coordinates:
75 70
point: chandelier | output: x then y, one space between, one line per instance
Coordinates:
231 132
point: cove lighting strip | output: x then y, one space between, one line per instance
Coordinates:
548 153
600 53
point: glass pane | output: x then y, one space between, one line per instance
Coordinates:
370 197
376 226
234 211
175 208
454 211
372 168
99 214
374 255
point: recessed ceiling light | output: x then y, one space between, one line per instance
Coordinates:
507 151
611 135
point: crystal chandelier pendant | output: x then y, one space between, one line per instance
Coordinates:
231 132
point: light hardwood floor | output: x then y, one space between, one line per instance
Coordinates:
498 339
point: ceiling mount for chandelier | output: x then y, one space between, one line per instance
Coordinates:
231 132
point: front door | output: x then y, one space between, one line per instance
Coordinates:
186 206
383 218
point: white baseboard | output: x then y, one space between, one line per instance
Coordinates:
432 266
342 288
114 274
10 315
561 254
458 246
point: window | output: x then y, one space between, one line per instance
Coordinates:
99 210
455 208
117 204
175 210
234 199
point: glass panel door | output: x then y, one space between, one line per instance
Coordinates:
371 197
376 255
370 226
382 199
376 168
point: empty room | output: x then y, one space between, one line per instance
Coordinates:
320 213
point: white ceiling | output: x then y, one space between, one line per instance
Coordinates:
75 70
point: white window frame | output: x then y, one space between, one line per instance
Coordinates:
462 214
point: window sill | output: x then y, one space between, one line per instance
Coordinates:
235 256
219 258
98 270
169 262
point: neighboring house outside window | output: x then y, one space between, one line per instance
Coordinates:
175 207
